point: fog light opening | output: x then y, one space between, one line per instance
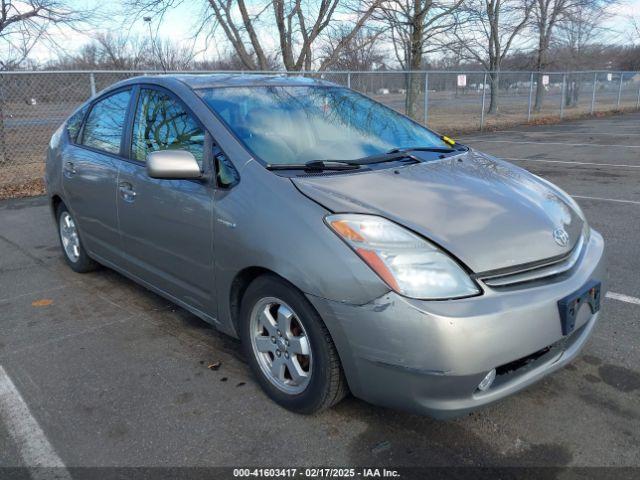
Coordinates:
487 381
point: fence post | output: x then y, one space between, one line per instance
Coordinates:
619 90
638 100
92 82
426 98
530 98
484 96
4 160
564 89
593 94
348 79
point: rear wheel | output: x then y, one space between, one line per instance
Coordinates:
289 347
69 235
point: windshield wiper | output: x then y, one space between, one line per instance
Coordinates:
399 154
385 157
423 149
396 154
315 165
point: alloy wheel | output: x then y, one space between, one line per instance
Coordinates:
69 237
280 344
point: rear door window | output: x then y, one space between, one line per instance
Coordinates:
105 124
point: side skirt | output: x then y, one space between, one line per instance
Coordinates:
198 313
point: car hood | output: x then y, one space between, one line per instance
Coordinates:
486 212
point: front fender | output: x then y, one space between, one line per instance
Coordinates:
265 222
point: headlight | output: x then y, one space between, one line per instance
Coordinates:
409 264
586 230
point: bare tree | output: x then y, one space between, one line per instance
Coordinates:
349 35
362 52
486 32
634 22
300 27
110 51
547 17
87 57
121 51
172 56
629 58
25 23
578 33
416 28
17 49
226 60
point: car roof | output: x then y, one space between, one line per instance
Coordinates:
213 80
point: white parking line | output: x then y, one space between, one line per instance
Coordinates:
633 202
544 132
573 163
36 451
608 145
623 298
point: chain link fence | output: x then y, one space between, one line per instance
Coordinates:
34 104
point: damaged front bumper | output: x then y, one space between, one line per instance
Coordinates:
429 356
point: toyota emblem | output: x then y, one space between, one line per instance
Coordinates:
561 236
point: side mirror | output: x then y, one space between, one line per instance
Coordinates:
177 164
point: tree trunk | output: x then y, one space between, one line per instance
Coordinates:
571 93
494 79
414 88
543 45
537 106
576 93
414 83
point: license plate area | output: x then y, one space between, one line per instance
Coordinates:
570 305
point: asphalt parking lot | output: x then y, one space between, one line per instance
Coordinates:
101 372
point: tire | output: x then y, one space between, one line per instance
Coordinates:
324 384
77 258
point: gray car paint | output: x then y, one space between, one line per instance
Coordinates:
488 213
271 240
89 182
429 356
167 235
503 215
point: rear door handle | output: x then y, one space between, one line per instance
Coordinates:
69 169
127 192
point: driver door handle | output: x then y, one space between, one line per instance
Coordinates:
127 192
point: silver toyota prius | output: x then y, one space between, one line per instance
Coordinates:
348 247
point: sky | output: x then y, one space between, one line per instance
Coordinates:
182 22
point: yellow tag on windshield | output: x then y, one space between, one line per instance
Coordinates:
450 141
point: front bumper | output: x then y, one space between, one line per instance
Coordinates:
429 356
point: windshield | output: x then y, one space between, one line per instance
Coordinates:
298 124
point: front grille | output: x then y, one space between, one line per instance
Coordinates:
539 271
512 370
521 362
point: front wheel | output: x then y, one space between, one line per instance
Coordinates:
289 348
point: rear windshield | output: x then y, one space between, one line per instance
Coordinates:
297 124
